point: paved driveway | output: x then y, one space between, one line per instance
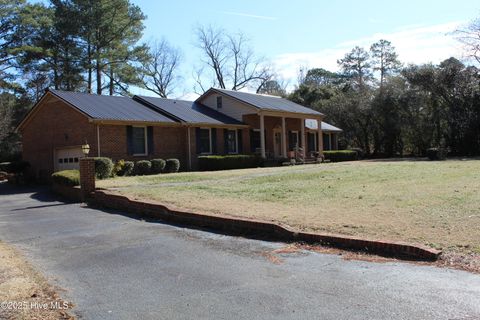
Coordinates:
118 267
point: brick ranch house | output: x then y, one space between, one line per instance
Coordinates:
218 122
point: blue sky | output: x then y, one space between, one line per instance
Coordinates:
311 33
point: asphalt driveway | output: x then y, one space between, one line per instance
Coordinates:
114 266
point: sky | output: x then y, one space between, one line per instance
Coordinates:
292 34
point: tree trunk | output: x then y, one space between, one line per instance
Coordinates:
111 85
99 76
55 73
89 67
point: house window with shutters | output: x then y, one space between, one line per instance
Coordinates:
139 141
205 140
231 141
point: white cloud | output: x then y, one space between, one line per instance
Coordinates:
414 44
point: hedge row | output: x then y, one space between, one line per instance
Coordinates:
211 163
68 178
340 155
436 153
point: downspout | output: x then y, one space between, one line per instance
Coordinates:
98 140
189 150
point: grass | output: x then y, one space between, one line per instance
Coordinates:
27 292
432 203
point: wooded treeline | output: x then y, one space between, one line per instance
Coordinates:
95 46
389 110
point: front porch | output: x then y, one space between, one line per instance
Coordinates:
284 136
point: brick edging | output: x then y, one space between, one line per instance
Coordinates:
268 230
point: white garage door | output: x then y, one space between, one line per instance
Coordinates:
67 158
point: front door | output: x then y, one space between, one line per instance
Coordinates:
277 143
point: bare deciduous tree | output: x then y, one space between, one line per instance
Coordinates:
469 36
230 59
159 75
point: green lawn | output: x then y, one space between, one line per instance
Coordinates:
432 203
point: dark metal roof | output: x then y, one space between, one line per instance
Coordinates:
312 124
111 107
188 111
266 102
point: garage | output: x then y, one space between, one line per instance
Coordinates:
67 158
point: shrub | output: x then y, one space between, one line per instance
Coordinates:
436 153
127 168
340 155
15 166
143 167
360 153
158 165
5 166
68 178
172 165
240 161
3 175
103 167
118 167
123 168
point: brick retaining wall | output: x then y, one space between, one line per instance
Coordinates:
262 229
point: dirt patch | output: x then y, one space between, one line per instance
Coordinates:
24 293
453 260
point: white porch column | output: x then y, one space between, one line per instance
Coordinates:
284 139
302 132
262 135
320 137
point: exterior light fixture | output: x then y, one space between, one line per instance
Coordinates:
85 149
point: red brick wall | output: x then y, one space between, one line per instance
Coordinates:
169 142
54 125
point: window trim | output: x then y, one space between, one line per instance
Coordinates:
146 142
219 105
209 139
236 141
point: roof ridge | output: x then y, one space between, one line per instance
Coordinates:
252 93
85 93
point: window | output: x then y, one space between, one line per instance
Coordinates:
205 140
255 140
219 102
312 141
139 141
293 143
231 143
326 141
